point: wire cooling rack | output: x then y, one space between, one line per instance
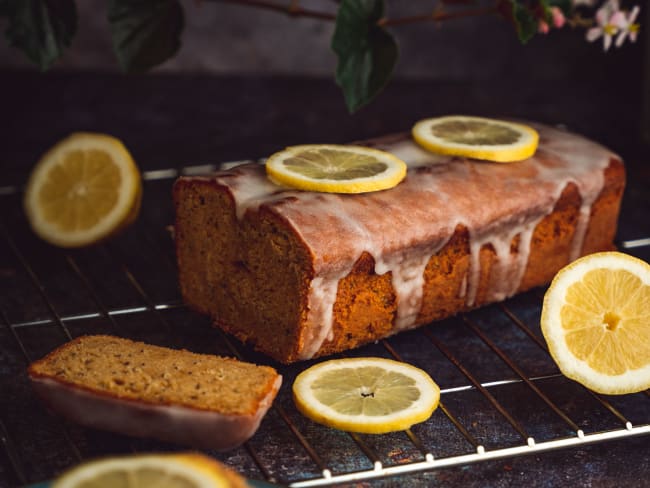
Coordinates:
502 395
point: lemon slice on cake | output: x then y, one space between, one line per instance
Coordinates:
368 395
83 190
476 137
335 168
151 471
596 321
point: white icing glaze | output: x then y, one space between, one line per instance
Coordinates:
322 295
415 156
184 425
403 227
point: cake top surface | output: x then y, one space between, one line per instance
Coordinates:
439 193
157 375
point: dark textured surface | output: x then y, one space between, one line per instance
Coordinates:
170 122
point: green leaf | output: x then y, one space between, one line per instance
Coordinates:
145 32
366 52
525 21
42 29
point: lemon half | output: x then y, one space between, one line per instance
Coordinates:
335 168
368 395
477 137
151 471
83 190
596 321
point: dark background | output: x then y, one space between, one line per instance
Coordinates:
248 82
251 80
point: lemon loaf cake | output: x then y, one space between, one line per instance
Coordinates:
142 390
302 274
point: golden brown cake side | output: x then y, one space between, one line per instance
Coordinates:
301 274
251 276
149 391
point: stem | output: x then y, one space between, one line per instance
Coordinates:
294 9
578 21
438 15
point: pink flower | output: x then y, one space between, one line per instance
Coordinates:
558 17
628 27
608 19
542 26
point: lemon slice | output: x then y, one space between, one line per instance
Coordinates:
368 395
476 137
155 470
596 321
335 168
83 190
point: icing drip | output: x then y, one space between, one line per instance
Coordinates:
322 295
581 230
508 269
405 264
407 271
589 184
403 227
462 292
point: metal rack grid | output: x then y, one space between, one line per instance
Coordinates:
502 396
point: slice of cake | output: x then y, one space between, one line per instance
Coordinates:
301 274
142 390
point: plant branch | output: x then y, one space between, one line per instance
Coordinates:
578 21
437 16
293 9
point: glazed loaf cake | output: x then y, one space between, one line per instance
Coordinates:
143 390
302 274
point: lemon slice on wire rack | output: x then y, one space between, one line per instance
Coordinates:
367 395
476 137
596 322
150 471
83 190
335 168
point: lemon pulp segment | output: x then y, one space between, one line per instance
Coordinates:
380 393
85 180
